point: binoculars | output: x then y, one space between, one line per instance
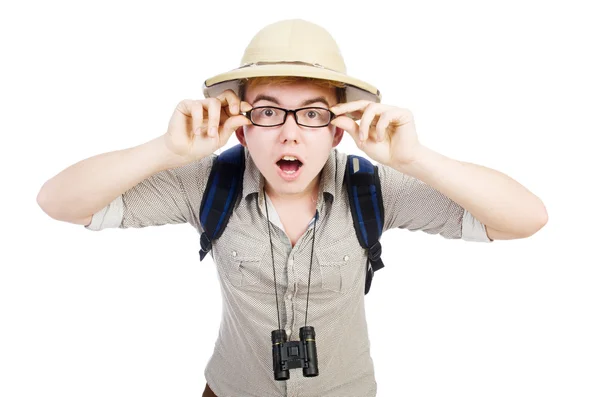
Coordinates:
294 354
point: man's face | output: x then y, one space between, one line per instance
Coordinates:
311 146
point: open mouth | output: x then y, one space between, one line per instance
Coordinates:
289 164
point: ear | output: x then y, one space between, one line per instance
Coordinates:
337 138
240 136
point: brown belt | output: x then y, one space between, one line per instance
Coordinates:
208 392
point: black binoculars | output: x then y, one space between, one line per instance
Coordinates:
294 354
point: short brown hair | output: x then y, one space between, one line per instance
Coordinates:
340 91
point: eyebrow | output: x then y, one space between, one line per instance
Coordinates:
306 102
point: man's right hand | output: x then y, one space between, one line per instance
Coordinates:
200 127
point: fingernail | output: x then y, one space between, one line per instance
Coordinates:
234 109
213 131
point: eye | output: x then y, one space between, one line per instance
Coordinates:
312 114
268 112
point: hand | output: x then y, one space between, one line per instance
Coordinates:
200 127
386 133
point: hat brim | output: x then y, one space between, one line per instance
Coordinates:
355 89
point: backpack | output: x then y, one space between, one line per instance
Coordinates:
362 185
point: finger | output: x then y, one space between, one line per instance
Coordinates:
189 109
383 124
355 115
348 125
185 107
349 107
214 113
235 122
232 124
245 106
366 121
197 117
224 115
228 97
345 123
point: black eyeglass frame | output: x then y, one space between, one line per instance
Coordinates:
294 111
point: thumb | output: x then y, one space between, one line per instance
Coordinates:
348 125
233 123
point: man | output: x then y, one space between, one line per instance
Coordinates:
289 104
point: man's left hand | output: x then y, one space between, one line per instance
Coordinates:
386 133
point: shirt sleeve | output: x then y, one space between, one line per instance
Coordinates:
411 204
168 197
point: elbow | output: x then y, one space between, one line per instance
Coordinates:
54 211
539 223
44 201
543 218
523 229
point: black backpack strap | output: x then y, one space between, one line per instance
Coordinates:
222 189
366 203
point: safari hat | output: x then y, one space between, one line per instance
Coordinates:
293 47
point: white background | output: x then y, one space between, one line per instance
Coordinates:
511 85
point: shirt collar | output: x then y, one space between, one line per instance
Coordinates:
254 181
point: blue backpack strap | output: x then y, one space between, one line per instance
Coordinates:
222 189
366 203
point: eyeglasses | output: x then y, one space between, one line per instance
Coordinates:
272 116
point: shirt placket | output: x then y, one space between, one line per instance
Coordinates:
291 323
289 316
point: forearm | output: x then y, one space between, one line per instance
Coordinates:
492 197
89 185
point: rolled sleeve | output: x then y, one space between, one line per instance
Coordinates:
109 216
473 230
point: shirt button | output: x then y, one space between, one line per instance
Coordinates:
288 331
346 258
289 296
234 253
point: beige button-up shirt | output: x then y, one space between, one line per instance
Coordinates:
242 364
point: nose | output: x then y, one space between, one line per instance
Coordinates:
289 129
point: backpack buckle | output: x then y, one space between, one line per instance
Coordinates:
205 243
375 252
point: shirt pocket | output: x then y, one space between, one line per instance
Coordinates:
339 264
243 261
